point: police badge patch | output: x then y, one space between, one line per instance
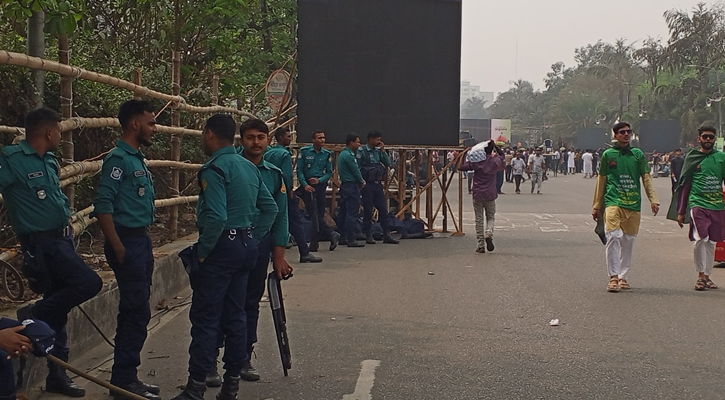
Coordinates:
141 191
116 173
41 194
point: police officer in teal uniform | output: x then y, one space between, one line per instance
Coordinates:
124 206
314 170
374 163
352 182
254 137
39 213
233 203
280 156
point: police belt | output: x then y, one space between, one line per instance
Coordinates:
45 235
234 231
124 232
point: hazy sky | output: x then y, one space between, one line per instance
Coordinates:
548 31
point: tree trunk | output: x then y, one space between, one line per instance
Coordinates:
36 48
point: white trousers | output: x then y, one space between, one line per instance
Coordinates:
704 255
619 253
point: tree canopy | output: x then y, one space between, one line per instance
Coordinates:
680 79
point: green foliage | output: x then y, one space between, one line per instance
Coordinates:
242 41
628 82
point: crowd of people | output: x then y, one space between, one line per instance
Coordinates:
245 215
247 212
622 171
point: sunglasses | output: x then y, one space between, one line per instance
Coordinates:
708 137
625 132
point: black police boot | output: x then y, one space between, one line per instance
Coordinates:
150 388
334 240
355 244
369 239
310 258
229 389
137 388
194 391
59 382
212 378
249 373
387 238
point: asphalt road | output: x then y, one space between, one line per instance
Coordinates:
432 319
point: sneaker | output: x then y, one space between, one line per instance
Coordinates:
309 258
480 249
334 240
249 373
489 244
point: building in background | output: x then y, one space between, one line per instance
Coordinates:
469 91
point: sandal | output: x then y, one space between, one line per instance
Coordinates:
701 284
710 284
624 285
613 285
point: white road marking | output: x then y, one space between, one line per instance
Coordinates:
365 381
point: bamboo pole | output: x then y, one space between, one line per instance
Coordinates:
444 200
175 145
460 232
136 73
429 191
22 60
401 180
215 90
66 110
423 190
81 122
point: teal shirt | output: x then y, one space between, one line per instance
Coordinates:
126 190
280 157
30 186
368 155
231 196
313 164
274 181
347 167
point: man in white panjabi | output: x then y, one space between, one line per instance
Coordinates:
588 163
570 163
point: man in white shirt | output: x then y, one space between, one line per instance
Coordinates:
537 168
517 169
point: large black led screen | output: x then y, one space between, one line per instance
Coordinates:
660 135
388 65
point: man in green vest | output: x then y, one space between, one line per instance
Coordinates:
39 214
699 196
618 195
234 207
124 206
352 182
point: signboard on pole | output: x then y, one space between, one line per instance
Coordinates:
276 90
501 130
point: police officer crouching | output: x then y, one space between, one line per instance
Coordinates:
39 213
352 182
374 163
231 194
124 206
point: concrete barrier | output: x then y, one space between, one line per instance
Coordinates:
169 279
